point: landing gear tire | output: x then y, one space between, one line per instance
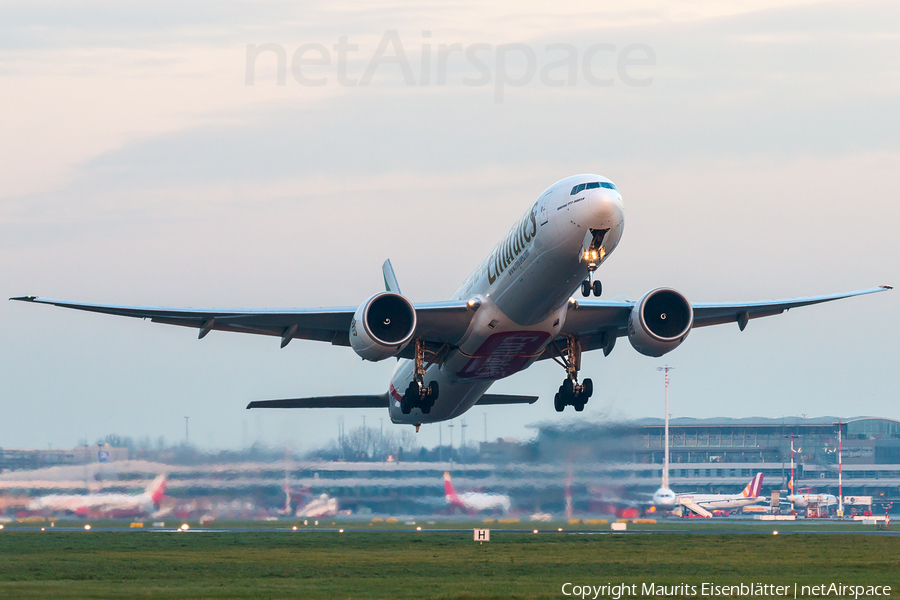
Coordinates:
597 287
587 388
568 388
428 401
410 399
558 403
585 288
579 405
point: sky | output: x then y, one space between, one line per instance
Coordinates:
158 153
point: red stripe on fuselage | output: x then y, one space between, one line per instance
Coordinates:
395 394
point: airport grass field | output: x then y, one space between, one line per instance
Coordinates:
408 564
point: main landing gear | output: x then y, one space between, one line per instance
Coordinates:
570 392
417 395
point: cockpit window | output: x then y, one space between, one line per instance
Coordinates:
592 186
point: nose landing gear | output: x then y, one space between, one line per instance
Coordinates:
571 393
418 395
587 286
593 256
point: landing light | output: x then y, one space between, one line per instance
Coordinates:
418 529
340 531
774 533
184 527
295 528
535 530
86 527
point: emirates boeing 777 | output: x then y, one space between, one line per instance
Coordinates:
517 307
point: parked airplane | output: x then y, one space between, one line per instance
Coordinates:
804 500
474 501
702 504
104 504
321 506
514 309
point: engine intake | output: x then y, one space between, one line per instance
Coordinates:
382 326
659 322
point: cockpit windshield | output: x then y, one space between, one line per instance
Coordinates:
593 185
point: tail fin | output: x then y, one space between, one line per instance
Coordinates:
449 493
754 487
390 280
157 489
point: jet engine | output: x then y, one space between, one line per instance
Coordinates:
382 326
659 322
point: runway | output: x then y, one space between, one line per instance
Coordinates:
467 531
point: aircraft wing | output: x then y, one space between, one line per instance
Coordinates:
373 401
598 323
439 323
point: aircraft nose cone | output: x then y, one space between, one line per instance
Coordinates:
606 206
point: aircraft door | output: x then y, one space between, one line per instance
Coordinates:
543 208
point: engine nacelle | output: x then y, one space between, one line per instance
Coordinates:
382 326
659 322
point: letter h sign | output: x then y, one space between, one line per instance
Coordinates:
482 535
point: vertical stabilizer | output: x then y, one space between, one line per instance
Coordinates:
390 280
754 487
157 489
450 494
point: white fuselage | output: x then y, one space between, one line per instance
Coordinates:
666 499
524 288
804 500
93 502
477 501
719 501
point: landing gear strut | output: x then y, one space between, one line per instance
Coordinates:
570 392
417 395
593 256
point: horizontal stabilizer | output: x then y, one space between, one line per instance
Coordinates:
365 401
372 401
505 399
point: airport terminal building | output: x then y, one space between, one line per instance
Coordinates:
721 454
595 464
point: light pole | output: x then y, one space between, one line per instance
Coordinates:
840 480
462 446
793 484
665 477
